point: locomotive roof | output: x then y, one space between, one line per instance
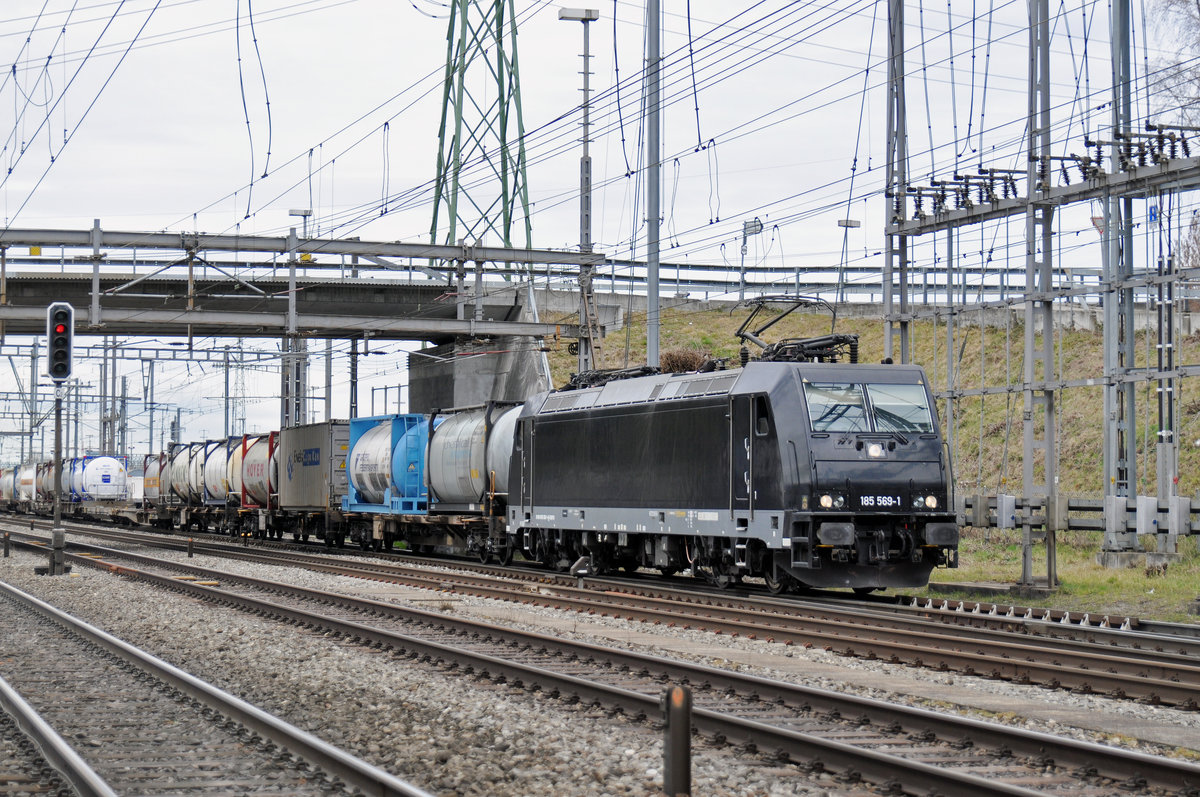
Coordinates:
756 377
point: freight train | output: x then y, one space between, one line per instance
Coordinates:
805 474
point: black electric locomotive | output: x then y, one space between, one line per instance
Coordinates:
807 474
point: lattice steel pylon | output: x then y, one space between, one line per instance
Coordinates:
482 194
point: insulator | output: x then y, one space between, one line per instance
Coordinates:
1142 153
1187 150
1174 146
1084 165
854 351
1066 177
743 356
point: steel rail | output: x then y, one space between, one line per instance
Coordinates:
324 756
74 771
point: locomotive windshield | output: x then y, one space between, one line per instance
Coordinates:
843 407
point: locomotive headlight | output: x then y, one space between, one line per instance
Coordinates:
832 501
875 450
931 501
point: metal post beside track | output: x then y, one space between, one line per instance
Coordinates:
57 538
677 741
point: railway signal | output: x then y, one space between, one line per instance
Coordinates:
60 334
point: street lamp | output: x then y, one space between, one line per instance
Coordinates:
586 298
303 213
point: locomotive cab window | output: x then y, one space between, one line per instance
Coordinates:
900 408
762 417
838 407
835 407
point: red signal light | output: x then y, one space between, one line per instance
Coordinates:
60 328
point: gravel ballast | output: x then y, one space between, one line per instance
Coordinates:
454 735
449 735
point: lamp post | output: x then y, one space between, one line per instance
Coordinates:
294 361
748 228
586 296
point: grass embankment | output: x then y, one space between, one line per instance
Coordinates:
988 439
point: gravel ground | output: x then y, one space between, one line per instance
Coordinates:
454 736
446 734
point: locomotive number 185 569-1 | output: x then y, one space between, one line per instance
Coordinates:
879 501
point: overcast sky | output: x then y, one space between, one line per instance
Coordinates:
165 116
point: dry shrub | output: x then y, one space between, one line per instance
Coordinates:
677 361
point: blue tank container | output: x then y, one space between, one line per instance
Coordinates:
386 466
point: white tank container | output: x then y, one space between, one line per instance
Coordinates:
259 471
8 485
460 467
152 470
178 470
27 482
216 471
73 477
370 463
105 479
195 480
137 488
233 465
46 482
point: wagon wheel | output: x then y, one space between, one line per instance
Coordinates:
777 584
504 556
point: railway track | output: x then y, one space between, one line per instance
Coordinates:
145 727
1114 630
1036 620
893 747
1151 668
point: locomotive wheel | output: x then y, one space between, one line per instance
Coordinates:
865 590
777 585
